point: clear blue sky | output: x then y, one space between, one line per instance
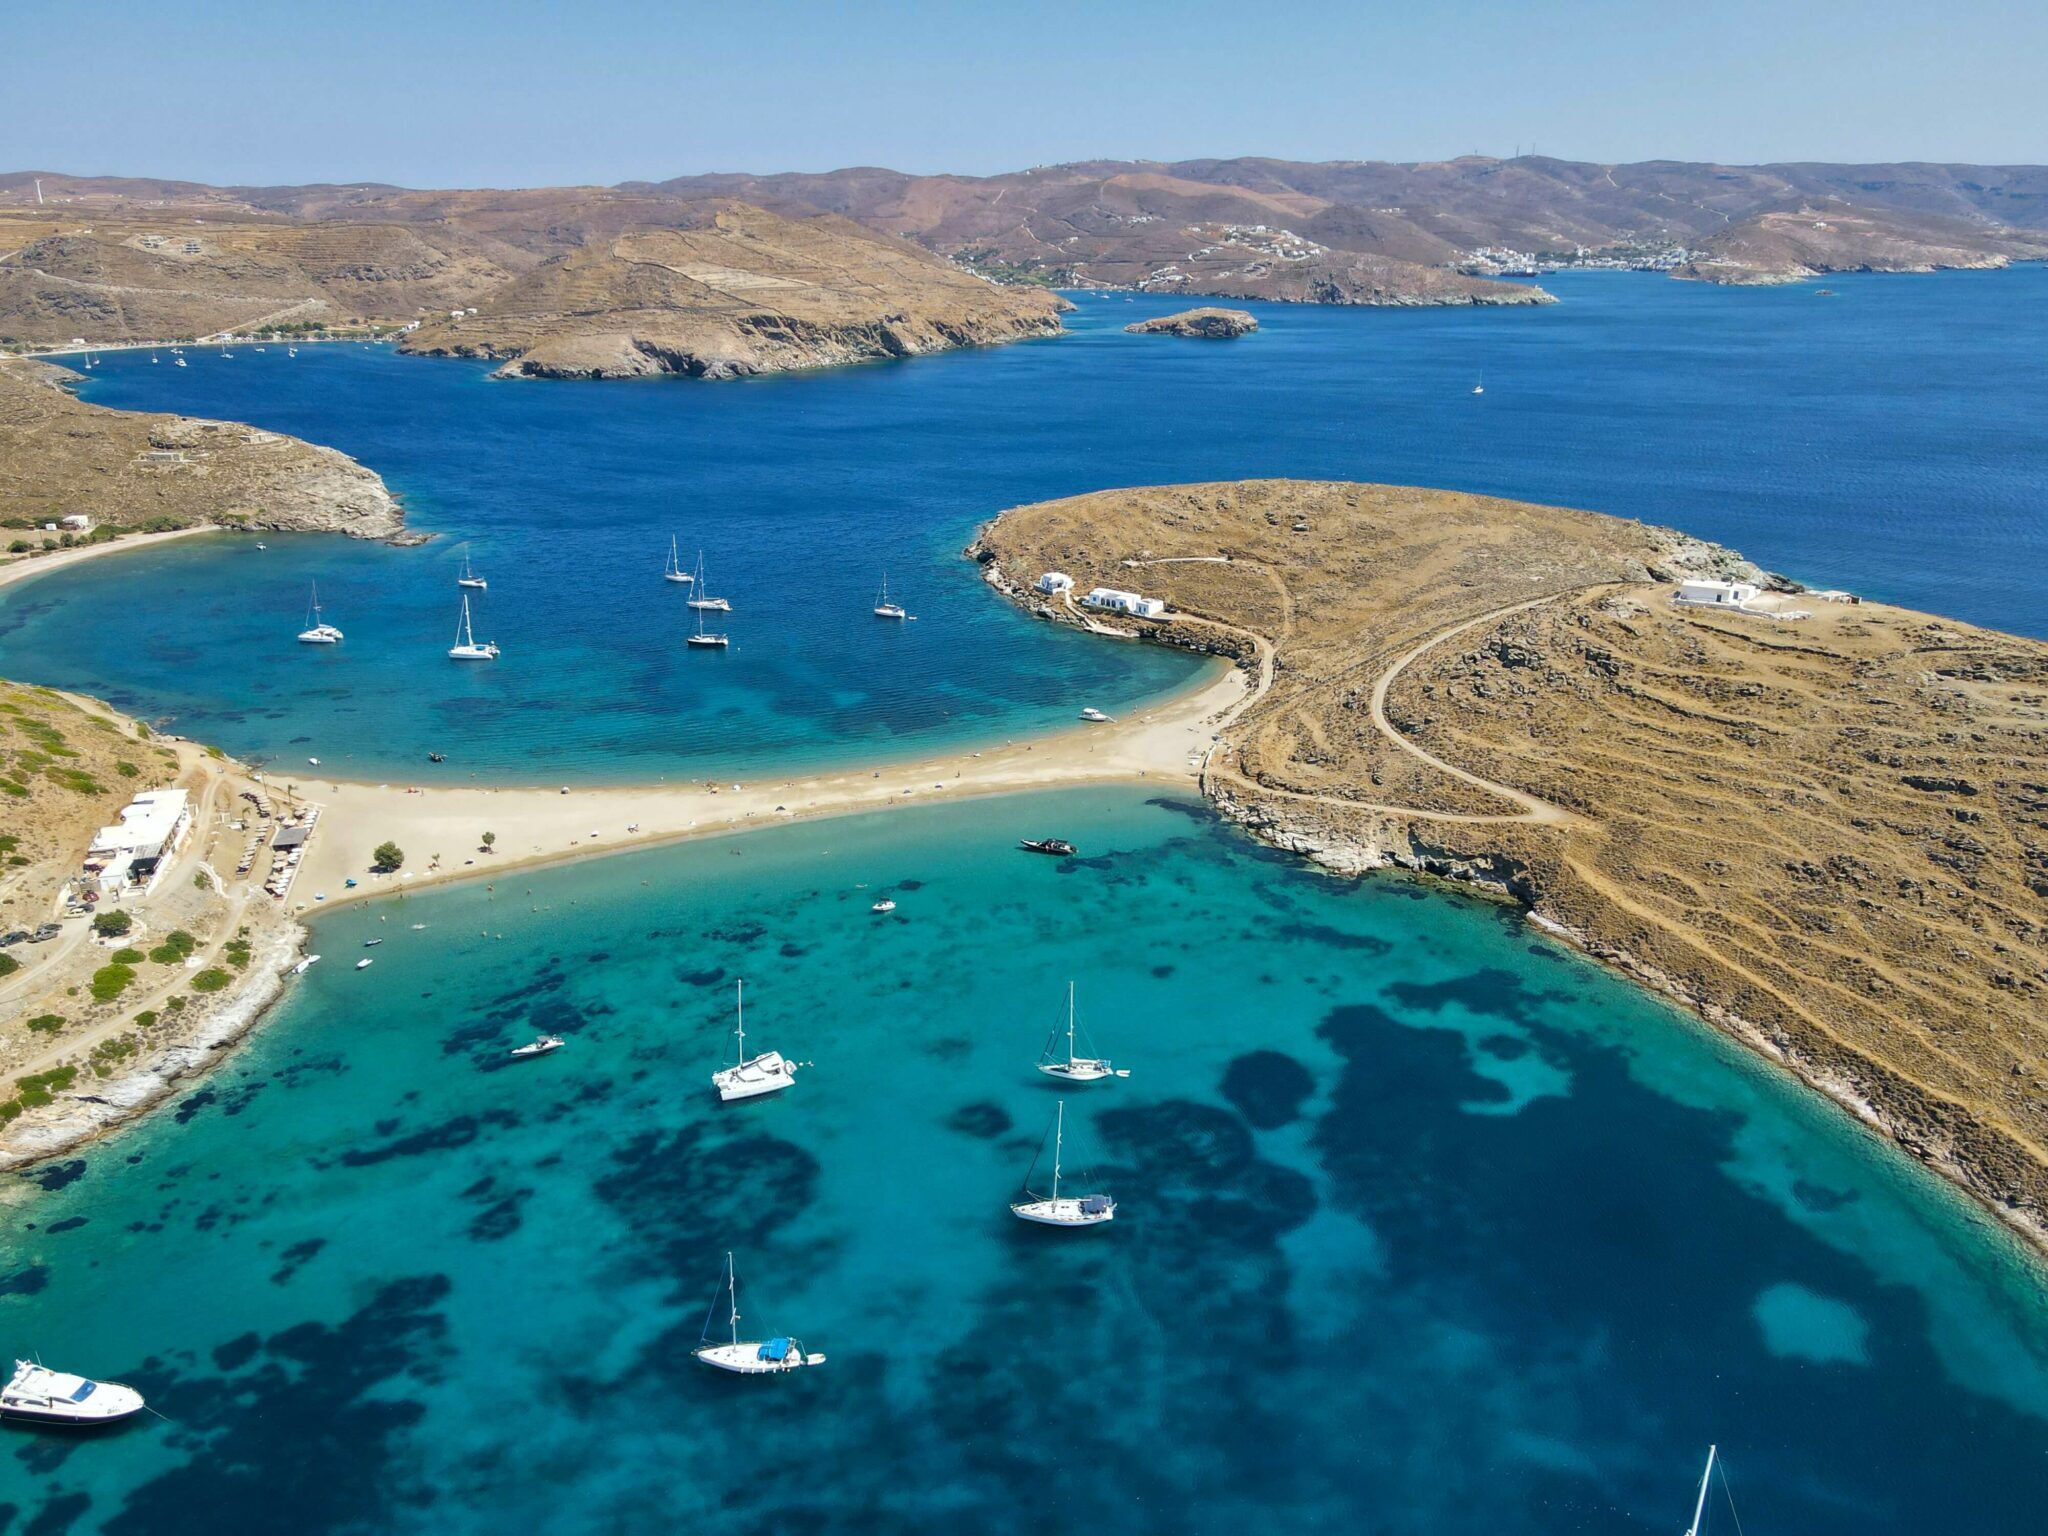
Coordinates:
463 93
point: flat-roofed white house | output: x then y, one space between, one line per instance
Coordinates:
1137 606
1053 583
1716 594
137 849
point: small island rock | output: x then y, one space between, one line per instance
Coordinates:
1209 323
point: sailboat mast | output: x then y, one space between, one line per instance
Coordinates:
732 1285
1700 1507
743 1028
1059 1139
1070 1023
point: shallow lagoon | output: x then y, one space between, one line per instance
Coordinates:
1886 439
1426 1224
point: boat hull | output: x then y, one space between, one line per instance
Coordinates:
744 1359
765 1074
1079 1071
709 642
1060 1213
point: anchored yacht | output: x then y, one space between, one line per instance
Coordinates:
469 577
465 647
315 632
716 639
698 598
538 1047
884 608
674 571
1057 1210
57 1397
1074 1068
769 1072
747 1357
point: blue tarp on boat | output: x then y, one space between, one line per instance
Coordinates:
774 1349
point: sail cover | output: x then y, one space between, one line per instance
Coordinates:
1095 1205
774 1349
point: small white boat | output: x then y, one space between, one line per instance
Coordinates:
714 639
465 647
698 599
315 632
177 362
314 761
291 351
884 905
1480 387
540 1046
364 964
674 571
884 608
305 965
769 1072
747 1357
469 577
1074 1068
45 1396
371 943
1057 1210
261 545
1095 716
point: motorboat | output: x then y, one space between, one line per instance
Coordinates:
1095 716
305 965
37 1393
364 964
747 1357
752 1076
884 607
1057 1210
465 647
541 1046
884 905
1074 1067
674 571
371 943
437 757
698 598
1058 847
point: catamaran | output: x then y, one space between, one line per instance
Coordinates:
465 647
57 1397
469 577
674 571
747 1357
769 1072
884 609
315 632
1057 1210
1074 1068
714 638
697 597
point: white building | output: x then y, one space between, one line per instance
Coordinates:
1110 600
1053 583
137 849
77 522
1716 594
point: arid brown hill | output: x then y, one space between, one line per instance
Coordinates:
1828 834
139 469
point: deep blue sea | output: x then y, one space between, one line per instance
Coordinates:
1426 1226
1888 439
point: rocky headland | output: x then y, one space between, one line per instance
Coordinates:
1826 834
1207 324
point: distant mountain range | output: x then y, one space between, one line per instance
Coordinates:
741 273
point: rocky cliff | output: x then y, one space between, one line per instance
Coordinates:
1207 324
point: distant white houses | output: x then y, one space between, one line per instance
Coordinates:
1716 594
1053 583
1131 604
137 849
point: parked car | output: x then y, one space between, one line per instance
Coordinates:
19 936
45 933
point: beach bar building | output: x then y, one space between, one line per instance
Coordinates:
135 851
1131 604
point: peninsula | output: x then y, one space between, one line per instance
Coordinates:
1821 824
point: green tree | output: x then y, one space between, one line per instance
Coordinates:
112 923
490 838
388 856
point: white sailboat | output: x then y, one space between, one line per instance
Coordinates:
674 571
1480 387
1074 1068
469 577
716 639
747 1357
315 632
697 598
44 1396
769 1072
465 647
1057 1210
884 609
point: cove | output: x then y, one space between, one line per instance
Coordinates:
1426 1225
1851 440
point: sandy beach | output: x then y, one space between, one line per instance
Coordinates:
441 829
22 567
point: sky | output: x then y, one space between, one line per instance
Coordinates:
521 93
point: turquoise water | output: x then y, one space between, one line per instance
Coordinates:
1426 1226
1887 439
